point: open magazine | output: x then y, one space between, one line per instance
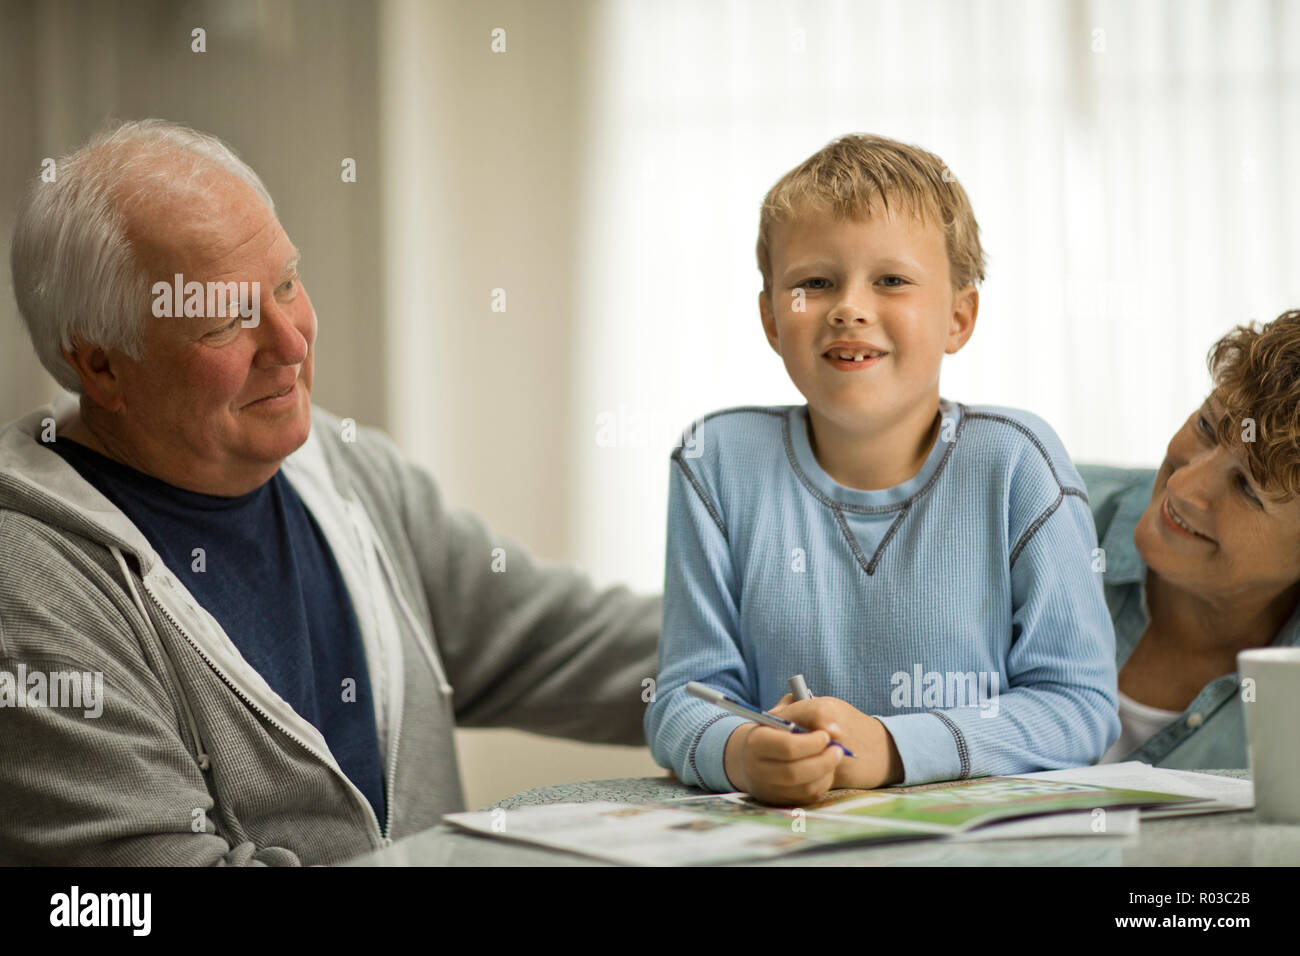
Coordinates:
717 828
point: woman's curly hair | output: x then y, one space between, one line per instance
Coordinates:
1256 373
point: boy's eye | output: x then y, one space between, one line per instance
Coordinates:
1205 428
893 282
1248 491
815 284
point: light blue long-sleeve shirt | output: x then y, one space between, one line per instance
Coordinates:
963 608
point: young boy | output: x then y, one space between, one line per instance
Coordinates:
931 568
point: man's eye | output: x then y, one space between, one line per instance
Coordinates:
1248 491
225 328
288 284
1205 428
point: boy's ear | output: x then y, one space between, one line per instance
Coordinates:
965 307
769 319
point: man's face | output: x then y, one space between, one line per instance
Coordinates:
879 289
200 394
1210 528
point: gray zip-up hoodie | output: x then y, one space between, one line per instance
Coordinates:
193 758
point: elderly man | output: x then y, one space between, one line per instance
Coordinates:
230 626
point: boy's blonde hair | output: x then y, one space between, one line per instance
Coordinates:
847 177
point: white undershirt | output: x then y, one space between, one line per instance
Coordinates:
1137 724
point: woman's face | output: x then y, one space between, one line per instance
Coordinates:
1210 528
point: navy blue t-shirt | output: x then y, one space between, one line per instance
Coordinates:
270 579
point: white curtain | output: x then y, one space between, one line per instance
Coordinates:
1128 164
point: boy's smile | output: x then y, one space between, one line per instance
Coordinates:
849 355
862 313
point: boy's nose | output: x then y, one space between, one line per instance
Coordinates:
852 308
846 313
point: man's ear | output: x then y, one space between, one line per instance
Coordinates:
769 320
99 380
965 308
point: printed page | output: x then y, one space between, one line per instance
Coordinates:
966 804
717 828
658 835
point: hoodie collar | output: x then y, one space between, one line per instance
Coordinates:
38 482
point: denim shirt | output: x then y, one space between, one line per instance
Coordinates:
1211 732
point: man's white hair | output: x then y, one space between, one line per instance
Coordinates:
76 275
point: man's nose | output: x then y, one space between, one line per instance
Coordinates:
279 335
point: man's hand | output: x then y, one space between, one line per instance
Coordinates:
876 762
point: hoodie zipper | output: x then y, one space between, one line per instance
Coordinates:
366 544
384 841
390 797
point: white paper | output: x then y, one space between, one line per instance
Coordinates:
1074 823
1216 793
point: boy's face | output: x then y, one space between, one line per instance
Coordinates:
878 288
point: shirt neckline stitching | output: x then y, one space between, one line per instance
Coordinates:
837 506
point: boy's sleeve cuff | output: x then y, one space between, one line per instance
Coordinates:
928 747
708 755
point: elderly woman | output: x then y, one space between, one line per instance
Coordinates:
1203 556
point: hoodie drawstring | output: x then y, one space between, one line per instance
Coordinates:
395 586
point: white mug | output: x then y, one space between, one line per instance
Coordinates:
1273 729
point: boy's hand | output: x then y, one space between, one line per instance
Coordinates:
876 762
779 767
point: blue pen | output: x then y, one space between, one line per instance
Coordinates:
741 709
